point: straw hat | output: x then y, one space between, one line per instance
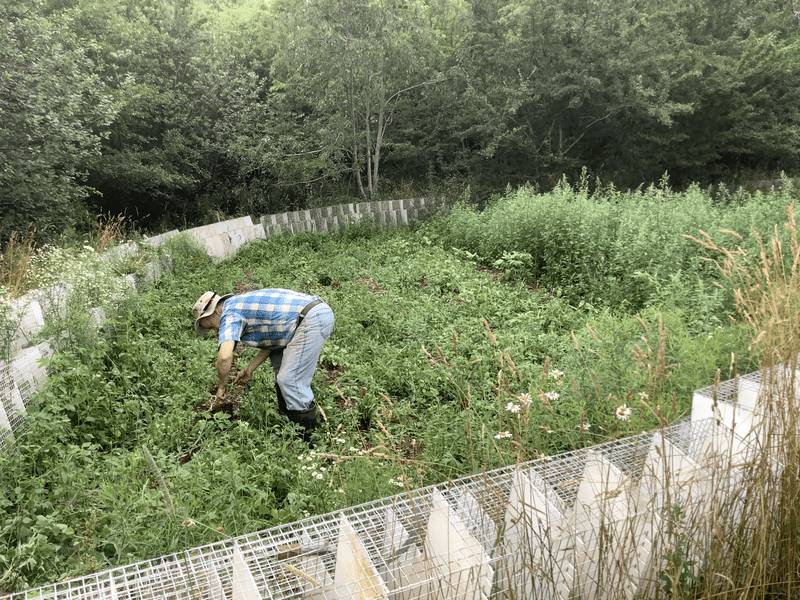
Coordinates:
206 305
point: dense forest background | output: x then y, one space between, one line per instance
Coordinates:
169 111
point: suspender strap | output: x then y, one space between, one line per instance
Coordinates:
307 308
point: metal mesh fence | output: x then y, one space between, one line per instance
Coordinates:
479 536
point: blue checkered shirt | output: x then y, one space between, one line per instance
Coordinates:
262 319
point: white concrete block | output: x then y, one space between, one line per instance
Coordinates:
456 554
314 568
158 240
152 271
670 475
205 580
534 513
355 575
603 493
219 227
26 313
53 301
12 399
478 522
535 542
453 563
5 422
243 583
238 238
215 246
397 547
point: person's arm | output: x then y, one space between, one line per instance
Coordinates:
244 376
224 360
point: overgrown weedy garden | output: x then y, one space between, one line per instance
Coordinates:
544 323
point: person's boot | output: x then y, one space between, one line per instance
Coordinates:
281 401
307 419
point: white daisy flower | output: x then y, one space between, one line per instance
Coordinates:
622 412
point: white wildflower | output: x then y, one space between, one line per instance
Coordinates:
513 408
524 399
622 412
503 435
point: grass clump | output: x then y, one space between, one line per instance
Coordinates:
619 249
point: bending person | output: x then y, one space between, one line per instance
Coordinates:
288 327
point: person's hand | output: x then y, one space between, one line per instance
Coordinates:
242 377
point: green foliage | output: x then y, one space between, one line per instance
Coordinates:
52 110
436 368
616 249
175 112
369 58
679 576
79 288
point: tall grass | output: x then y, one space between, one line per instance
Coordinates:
20 260
762 558
109 230
17 264
727 527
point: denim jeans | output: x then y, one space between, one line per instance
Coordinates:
295 364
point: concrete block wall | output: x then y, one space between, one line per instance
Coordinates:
224 238
329 218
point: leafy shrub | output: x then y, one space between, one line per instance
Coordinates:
614 249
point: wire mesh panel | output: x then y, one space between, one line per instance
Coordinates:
19 378
543 529
535 553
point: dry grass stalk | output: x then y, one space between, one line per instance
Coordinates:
761 554
108 230
17 272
